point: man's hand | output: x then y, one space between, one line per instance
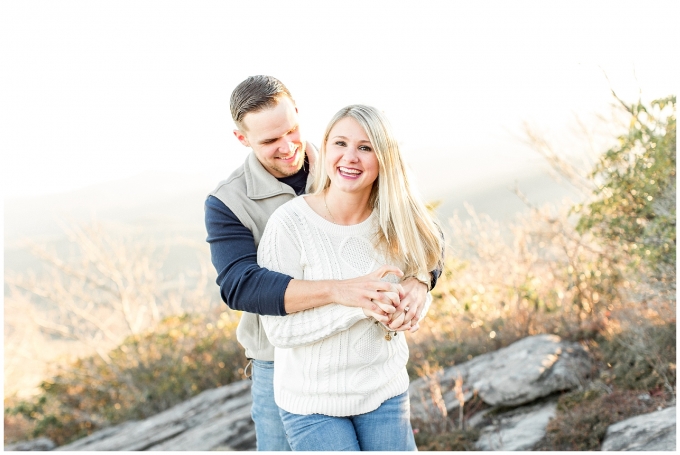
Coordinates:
383 316
412 302
370 293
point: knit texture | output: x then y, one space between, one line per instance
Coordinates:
330 360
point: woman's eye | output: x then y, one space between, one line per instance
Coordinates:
340 143
365 148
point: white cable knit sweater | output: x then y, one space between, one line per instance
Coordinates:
330 360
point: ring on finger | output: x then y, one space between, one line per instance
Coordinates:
406 309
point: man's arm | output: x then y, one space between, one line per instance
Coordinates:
366 291
245 286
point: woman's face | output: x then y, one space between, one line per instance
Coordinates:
351 162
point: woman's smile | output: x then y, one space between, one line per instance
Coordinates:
349 172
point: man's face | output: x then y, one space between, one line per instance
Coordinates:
274 135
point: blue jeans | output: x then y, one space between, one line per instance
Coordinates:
269 430
387 428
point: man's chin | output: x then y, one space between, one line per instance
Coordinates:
299 162
292 169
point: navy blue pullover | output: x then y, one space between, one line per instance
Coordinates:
244 285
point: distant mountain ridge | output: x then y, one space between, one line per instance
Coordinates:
172 204
143 199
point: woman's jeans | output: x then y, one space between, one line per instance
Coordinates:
268 427
387 428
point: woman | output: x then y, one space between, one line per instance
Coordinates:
340 377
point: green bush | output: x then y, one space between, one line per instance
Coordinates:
634 205
148 373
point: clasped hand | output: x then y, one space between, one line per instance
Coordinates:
398 306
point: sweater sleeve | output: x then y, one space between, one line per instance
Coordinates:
244 285
281 250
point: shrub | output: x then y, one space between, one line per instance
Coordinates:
634 204
16 426
547 278
641 358
583 417
457 440
440 430
608 275
147 374
546 272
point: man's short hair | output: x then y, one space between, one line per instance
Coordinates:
255 94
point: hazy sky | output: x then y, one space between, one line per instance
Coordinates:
93 91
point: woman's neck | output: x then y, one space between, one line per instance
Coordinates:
346 208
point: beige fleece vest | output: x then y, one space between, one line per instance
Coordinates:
253 194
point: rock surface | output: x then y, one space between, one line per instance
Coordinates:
518 376
528 369
39 444
520 429
214 418
649 432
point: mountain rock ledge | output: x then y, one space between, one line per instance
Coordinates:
520 382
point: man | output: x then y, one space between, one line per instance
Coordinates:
236 213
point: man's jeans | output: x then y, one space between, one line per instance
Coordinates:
387 428
268 426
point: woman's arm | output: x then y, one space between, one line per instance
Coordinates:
309 326
280 250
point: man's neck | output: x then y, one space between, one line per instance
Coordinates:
298 181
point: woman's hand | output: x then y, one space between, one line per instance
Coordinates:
411 306
370 292
386 309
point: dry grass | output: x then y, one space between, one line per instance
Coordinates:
101 285
539 275
583 417
455 440
148 373
546 278
17 427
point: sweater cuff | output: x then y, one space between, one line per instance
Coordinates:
281 287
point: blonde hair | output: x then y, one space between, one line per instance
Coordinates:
408 233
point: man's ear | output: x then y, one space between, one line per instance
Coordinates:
241 138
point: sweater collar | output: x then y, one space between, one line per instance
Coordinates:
260 184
